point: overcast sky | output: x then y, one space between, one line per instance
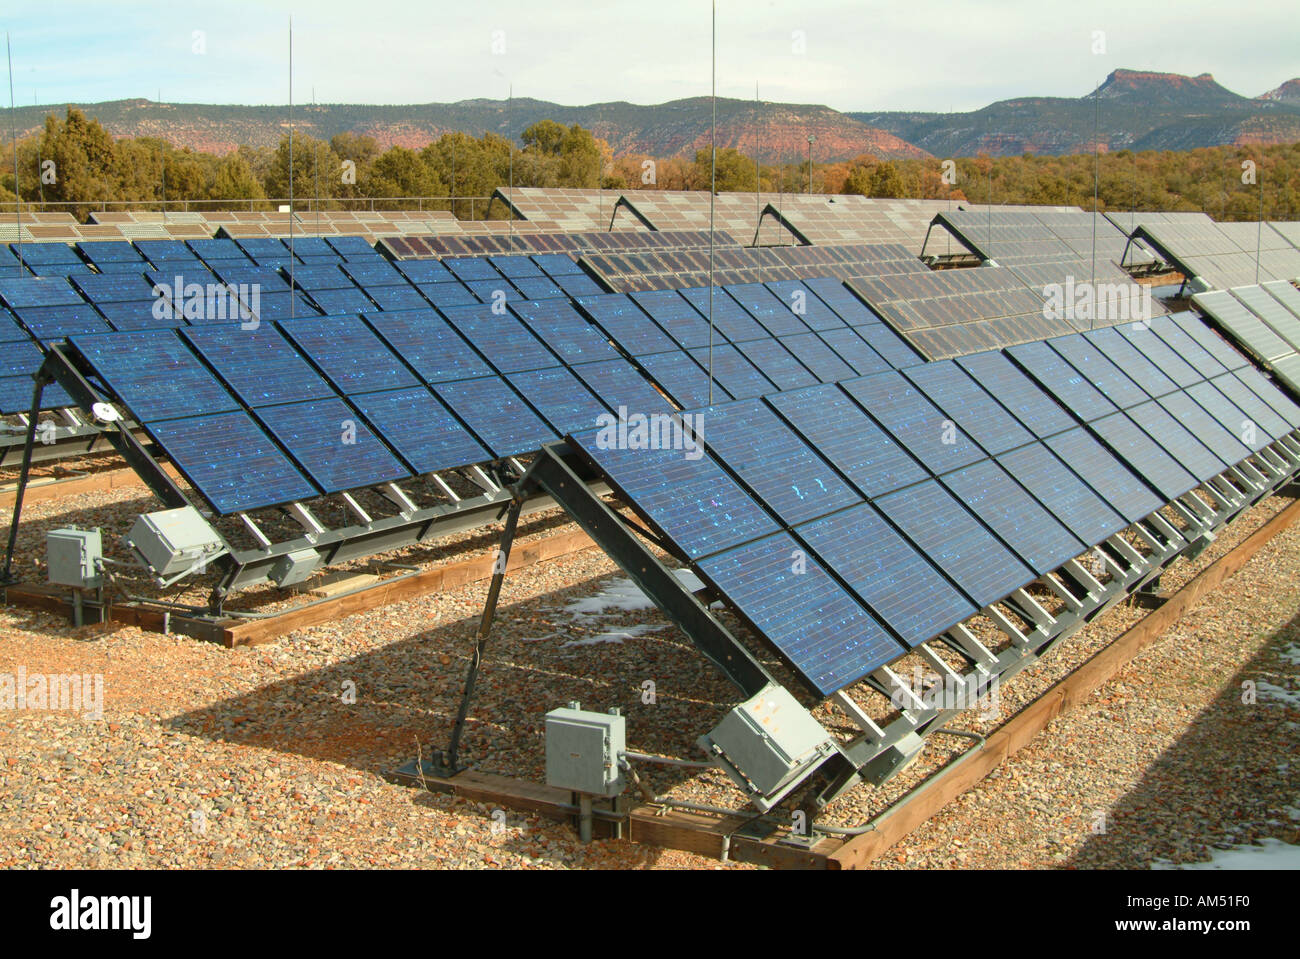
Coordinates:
849 55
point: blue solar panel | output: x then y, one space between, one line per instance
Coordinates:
1027 402
155 374
962 400
578 284
114 287
569 336
109 251
16 395
1066 496
820 359
231 461
43 254
678 318
10 331
424 271
896 582
777 363
21 291
914 421
349 353
20 358
1144 455
889 345
557 264
835 426
423 431
516 265
1019 520
962 549
333 444
61 270
265 279
505 341
626 324
162 250
560 397
258 365
618 384
682 379
214 250
140 315
854 350
262 246
774 461
49 323
1138 367
496 414
448 294
373 272
1256 411
1190 452
1208 340
1106 475
1270 394
842 300
1061 380
350 245
729 318
1165 358
471 269
342 301
429 345
682 493
805 304
1098 370
397 297
737 375
776 316
282 306
313 246
538 288
1223 444
820 629
1230 416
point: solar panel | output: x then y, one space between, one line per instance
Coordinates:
1243 325
444 295
774 461
578 284
889 345
557 264
896 582
821 630
1016 517
854 350
1264 302
517 265
396 297
843 301
626 324
805 304
560 397
154 374
777 316
1064 495
340 302
914 421
422 431
675 316
1098 370
1137 366
231 461
1031 407
424 271
1255 412
375 271
777 363
349 353
470 269
258 365
736 374
1219 441
962 549
114 287
333 444
22 357
1140 336
1207 340
618 384
16 395
729 318
1147 458
835 426
1061 380
20 291
424 340
1107 476
958 396
48 323
496 414
559 326
819 358
538 288
682 379
1270 394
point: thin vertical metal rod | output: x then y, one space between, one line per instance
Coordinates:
713 184
13 132
1259 230
758 174
293 299
510 163
1096 188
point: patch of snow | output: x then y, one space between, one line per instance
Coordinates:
1269 854
1284 697
1291 653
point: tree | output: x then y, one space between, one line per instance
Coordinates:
400 172
734 171
317 169
886 182
235 180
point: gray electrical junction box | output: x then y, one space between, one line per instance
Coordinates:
174 541
73 557
583 749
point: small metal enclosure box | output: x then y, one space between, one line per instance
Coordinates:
767 744
73 556
583 750
294 567
174 541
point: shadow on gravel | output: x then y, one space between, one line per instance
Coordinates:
1212 775
407 692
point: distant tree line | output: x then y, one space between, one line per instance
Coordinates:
74 164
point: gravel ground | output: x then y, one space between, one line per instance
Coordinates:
271 756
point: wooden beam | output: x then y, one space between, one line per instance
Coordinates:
45 488
1065 695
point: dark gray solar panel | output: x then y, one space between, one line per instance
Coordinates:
914 421
1107 476
962 400
1054 485
1147 458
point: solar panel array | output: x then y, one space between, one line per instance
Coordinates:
1032 235
1264 320
670 270
1224 254
848 522
596 241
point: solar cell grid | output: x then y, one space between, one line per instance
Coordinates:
739 377
1255 412
618 384
1064 495
675 316
804 303
560 397
259 366
626 324
1137 366
1184 408
425 341
560 327
50 323
332 443
348 353
501 337
779 318
497 415
1243 325
1275 315
1185 448
964 402
914 421
1098 370
729 318
777 364
1026 401
1146 457
422 431
1107 476
819 358
1059 378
